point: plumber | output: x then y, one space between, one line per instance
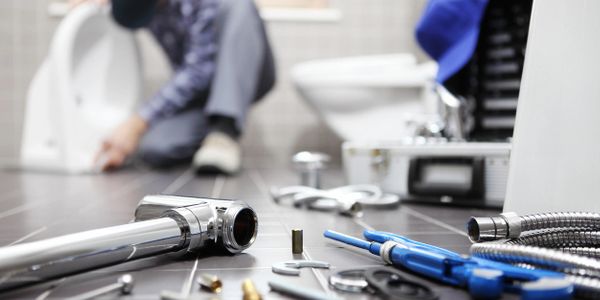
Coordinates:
222 64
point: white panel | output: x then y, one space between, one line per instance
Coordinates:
555 163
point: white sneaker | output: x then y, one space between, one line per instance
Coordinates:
219 153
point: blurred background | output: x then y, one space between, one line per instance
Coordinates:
281 124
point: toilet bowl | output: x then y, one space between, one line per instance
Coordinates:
370 98
90 81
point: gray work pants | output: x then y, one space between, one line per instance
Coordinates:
245 72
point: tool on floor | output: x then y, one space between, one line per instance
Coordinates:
363 194
297 243
350 281
124 286
250 291
163 224
393 285
387 283
344 202
292 267
562 241
482 277
310 166
210 282
299 292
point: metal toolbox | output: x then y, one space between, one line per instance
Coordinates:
432 170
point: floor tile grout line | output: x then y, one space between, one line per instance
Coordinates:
34 233
137 182
217 189
47 293
23 208
179 182
363 224
429 219
261 185
16 210
186 289
218 186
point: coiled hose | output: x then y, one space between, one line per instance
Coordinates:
567 242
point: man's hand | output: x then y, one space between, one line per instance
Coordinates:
121 143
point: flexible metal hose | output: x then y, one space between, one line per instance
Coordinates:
568 242
586 220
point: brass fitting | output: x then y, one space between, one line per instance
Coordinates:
250 292
210 282
297 241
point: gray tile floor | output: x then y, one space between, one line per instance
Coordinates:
35 206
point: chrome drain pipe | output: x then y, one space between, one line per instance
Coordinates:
163 224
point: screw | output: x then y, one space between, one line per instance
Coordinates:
124 285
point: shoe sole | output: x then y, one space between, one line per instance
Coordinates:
211 170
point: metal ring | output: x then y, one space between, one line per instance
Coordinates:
351 281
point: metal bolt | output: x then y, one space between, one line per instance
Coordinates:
297 241
124 285
250 292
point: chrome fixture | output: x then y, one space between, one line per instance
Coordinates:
310 165
453 112
163 224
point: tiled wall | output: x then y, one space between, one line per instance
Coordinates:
279 125
25 31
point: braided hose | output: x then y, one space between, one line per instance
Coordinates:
567 242
558 238
543 257
510 225
585 220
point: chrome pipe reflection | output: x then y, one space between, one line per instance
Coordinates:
163 224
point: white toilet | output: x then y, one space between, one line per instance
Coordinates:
90 81
370 98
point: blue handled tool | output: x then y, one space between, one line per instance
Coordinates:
484 278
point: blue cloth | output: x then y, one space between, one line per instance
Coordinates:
448 31
187 31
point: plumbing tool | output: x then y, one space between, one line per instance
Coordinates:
298 292
484 278
310 165
124 285
163 224
292 267
387 283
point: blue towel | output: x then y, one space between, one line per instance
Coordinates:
448 31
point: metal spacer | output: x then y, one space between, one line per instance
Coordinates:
514 224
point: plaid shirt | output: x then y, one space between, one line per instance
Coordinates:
186 30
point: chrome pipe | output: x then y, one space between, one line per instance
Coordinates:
164 224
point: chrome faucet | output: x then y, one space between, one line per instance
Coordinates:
453 112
